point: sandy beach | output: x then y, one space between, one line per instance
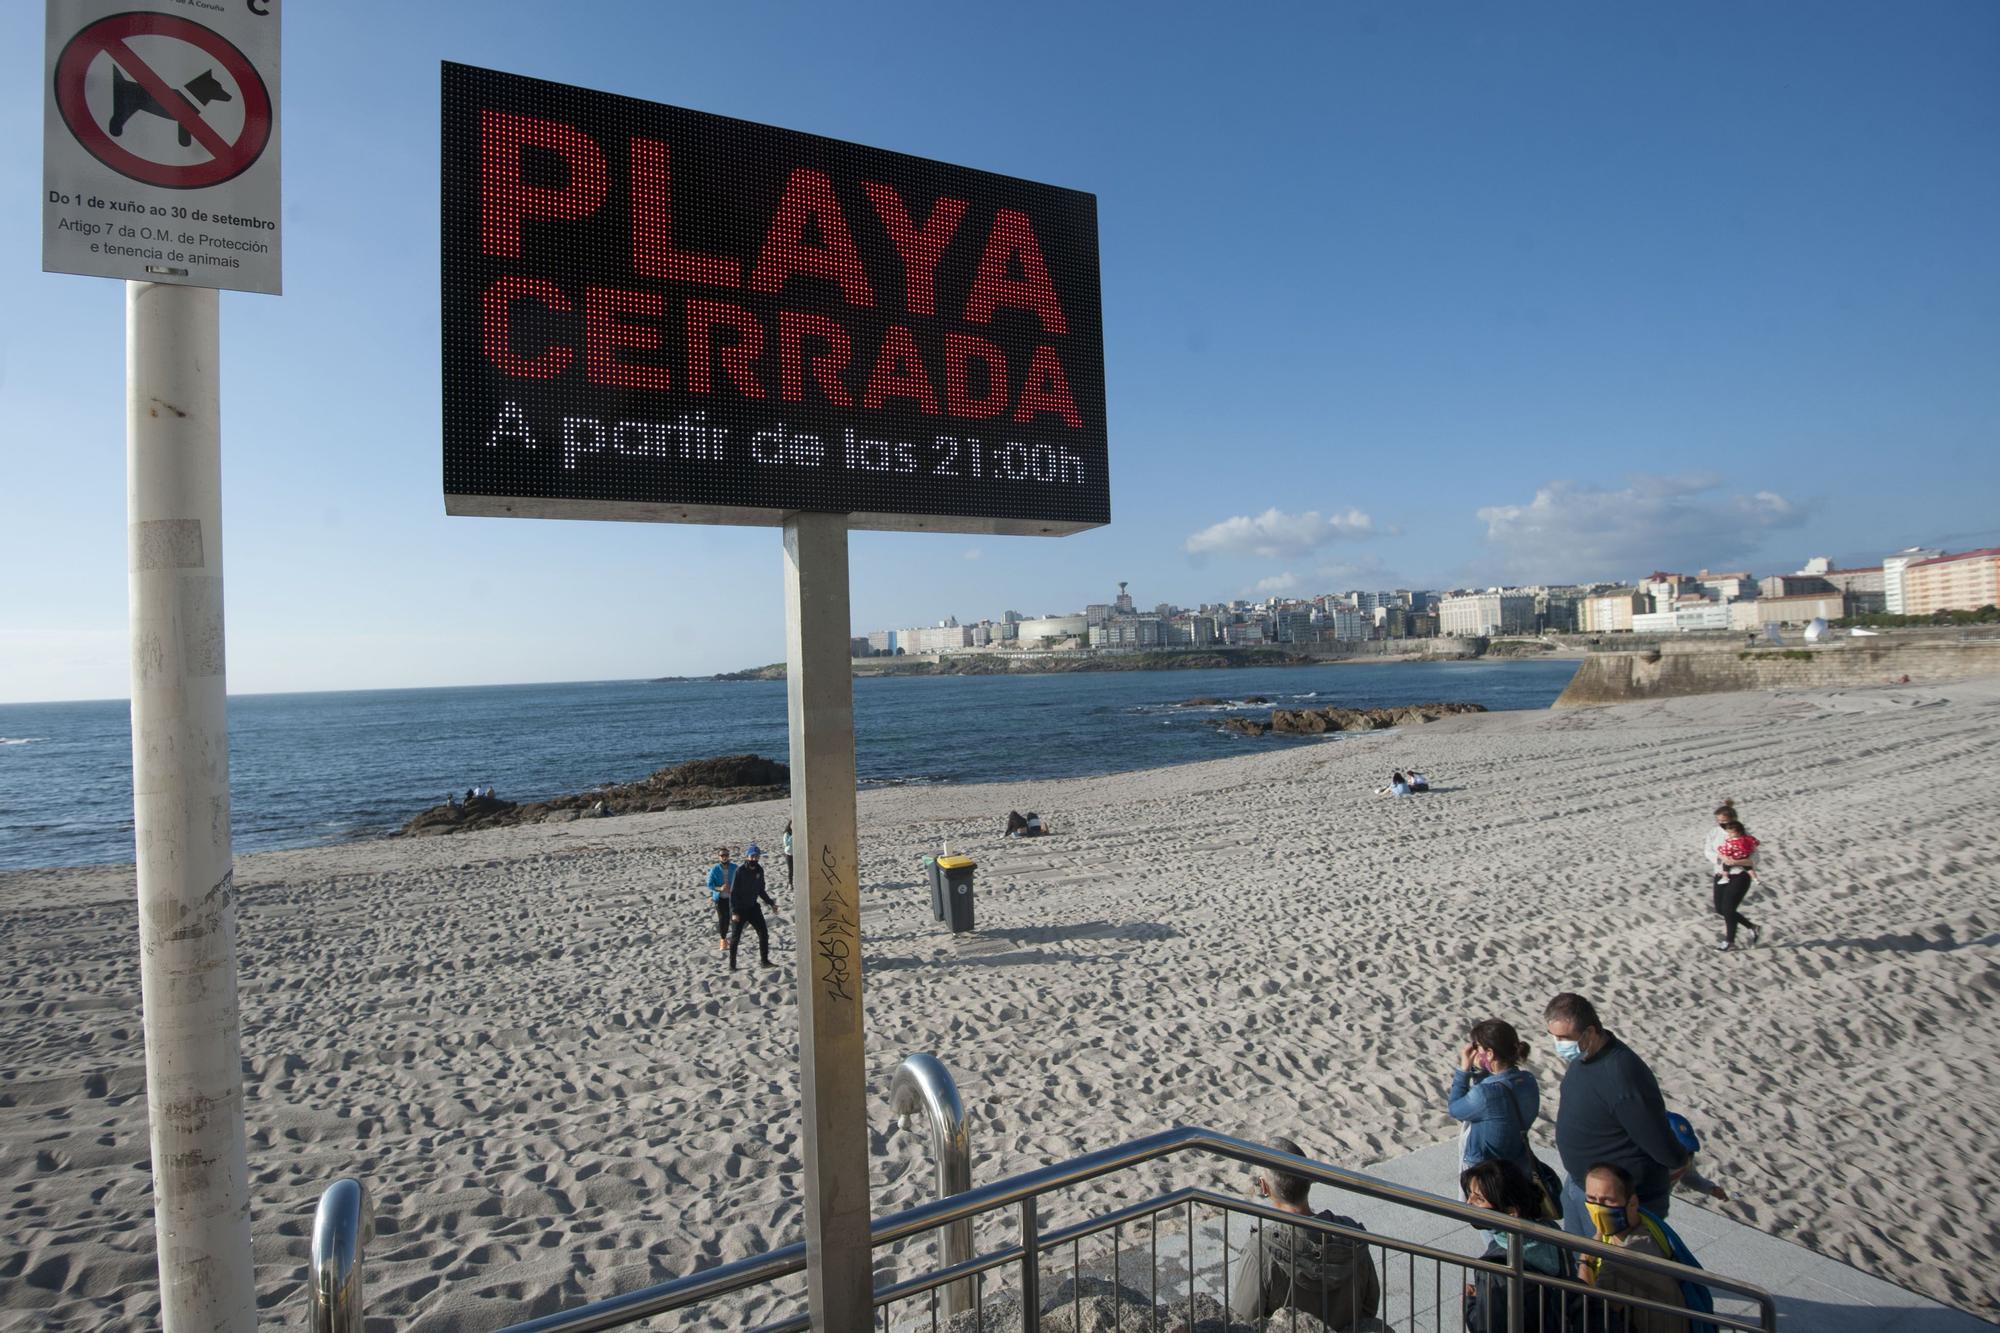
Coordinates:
526 1045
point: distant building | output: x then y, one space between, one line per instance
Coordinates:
1485 614
1293 626
1129 632
1097 613
1963 582
1892 574
1123 605
1699 615
882 642
1352 626
1610 612
934 638
1801 609
1794 585
1726 587
1058 628
858 646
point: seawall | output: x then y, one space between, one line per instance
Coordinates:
1675 670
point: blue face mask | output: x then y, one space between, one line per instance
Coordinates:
1568 1050
1542 1255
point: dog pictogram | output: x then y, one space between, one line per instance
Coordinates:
129 97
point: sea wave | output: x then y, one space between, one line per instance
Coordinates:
22 740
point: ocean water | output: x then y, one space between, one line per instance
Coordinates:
307 769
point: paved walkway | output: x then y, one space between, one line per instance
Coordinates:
1815 1294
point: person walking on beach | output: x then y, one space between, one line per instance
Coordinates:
745 891
1611 1111
788 853
1736 874
1494 1098
719 877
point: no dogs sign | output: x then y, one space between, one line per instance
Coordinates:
160 142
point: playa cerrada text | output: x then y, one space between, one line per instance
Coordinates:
643 302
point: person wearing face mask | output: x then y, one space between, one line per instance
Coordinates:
1502 1187
1611 1111
1618 1218
1493 1096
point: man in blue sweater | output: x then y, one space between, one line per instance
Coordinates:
1611 1111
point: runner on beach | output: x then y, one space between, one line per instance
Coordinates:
719 877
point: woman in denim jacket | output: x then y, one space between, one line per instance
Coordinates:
1495 1098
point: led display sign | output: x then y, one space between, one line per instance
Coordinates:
660 314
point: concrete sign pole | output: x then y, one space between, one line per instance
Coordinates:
827 922
180 804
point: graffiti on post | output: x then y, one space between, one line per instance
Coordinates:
836 932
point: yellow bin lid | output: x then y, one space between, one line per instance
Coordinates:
956 863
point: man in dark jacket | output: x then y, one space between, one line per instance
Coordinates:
1329 1277
1611 1112
744 892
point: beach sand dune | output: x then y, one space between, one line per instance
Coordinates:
525 1043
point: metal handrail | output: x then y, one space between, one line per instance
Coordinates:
1022 1190
923 1085
342 1226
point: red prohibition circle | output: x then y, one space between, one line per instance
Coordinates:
107 37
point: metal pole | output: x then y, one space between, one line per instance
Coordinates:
1514 1279
180 806
344 1224
826 907
922 1081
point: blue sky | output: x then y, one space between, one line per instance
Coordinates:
1394 294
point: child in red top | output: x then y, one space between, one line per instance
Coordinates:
1738 846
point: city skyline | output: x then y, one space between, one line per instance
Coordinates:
1419 299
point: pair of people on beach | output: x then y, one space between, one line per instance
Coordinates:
1732 863
1405 784
736 889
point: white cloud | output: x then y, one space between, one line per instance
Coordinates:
1274 534
1576 531
1285 582
973 553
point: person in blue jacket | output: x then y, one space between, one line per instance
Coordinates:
1494 1097
720 876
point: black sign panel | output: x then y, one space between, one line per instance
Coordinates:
655 313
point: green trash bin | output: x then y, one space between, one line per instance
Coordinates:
956 874
936 878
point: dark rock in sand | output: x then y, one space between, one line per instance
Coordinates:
1319 721
1204 702
699 782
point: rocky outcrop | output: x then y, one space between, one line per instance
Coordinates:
1319 721
699 782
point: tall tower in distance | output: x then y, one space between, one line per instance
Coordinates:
1124 602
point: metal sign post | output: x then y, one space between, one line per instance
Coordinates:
180 806
826 915
654 314
160 166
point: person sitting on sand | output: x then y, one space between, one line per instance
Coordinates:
1418 782
1034 828
1502 1187
1620 1220
1017 824
719 876
1399 785
1330 1277
745 890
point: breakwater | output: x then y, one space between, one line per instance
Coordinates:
1675 670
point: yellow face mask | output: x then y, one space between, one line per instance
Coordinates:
1609 1221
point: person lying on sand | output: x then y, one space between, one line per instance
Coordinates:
1399 785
